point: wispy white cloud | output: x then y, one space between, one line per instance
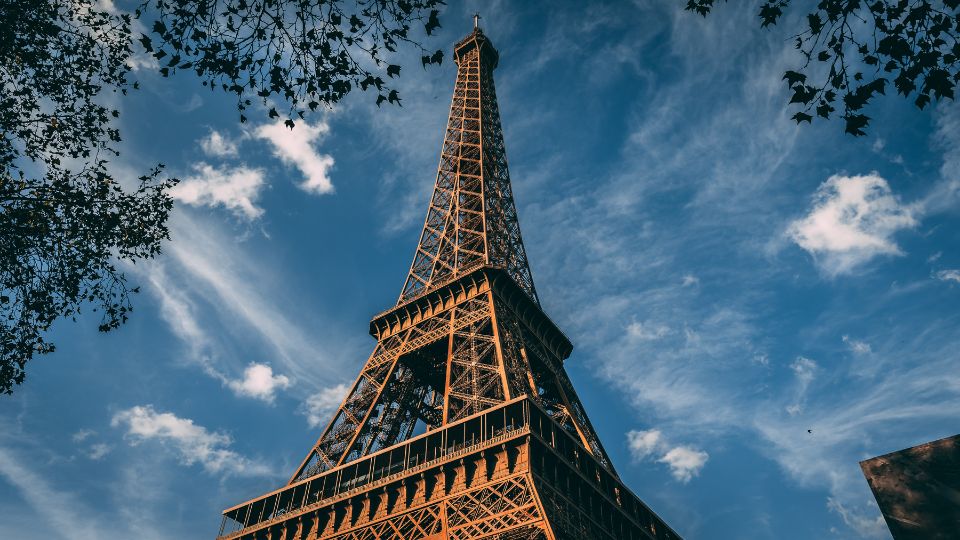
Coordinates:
319 407
948 275
178 310
685 462
945 193
65 512
872 526
190 442
805 371
853 220
216 144
82 435
681 368
208 286
259 382
644 443
175 307
846 423
97 451
181 301
857 346
295 147
236 189
647 331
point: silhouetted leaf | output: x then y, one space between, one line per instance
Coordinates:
793 77
432 22
855 124
769 14
802 94
147 44
938 81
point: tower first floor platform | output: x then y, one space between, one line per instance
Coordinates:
509 472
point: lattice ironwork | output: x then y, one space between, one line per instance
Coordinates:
465 386
472 218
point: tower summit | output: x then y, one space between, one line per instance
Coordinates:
463 422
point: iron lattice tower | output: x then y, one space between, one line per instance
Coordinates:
463 422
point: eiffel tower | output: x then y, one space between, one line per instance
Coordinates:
463 422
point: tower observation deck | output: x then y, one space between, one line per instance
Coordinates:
463 422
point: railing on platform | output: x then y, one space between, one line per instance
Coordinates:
508 420
487 427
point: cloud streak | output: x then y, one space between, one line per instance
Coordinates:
207 285
60 508
191 443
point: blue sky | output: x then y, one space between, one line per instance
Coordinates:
729 281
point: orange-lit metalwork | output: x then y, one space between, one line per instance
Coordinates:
463 422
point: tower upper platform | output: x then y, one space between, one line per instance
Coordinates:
479 41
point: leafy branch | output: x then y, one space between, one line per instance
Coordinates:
853 49
306 54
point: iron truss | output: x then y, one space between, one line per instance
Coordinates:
463 422
472 219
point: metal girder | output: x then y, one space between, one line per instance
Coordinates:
463 422
472 218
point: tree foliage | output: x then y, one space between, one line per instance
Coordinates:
854 49
65 221
304 54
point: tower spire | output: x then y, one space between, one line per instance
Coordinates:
472 219
476 21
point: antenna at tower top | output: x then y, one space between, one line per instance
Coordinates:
476 20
